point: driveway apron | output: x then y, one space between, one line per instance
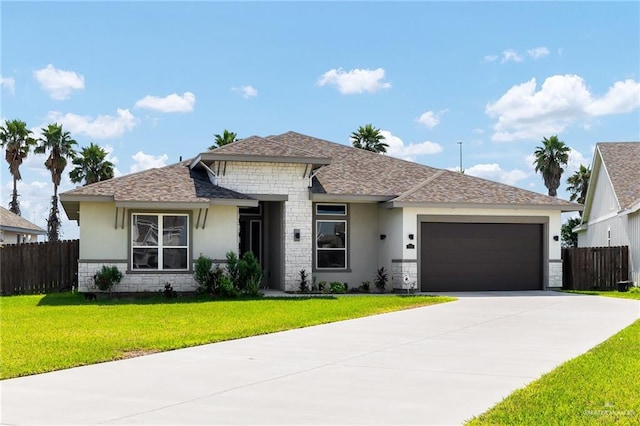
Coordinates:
436 365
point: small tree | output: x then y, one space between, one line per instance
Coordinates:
369 138
579 184
570 238
91 166
226 138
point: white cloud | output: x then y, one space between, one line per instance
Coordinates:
623 96
490 58
9 83
478 131
511 55
524 112
144 161
431 119
398 149
100 127
58 83
355 81
538 53
245 91
494 172
170 103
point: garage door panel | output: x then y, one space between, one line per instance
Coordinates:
480 256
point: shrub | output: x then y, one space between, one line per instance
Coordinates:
169 292
250 274
203 275
337 287
322 286
107 277
233 271
226 288
381 280
304 285
365 286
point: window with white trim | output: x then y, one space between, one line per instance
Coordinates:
160 241
331 236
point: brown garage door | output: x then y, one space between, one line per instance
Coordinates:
480 256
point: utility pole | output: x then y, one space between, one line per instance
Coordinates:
460 169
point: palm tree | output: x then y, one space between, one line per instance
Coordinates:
579 184
59 144
227 137
549 159
369 138
16 139
91 166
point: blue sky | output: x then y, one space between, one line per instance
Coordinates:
153 81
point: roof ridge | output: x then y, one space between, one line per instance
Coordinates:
420 185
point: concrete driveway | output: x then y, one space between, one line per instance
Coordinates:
435 365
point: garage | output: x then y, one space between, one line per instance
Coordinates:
481 256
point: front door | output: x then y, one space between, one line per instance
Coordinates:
251 232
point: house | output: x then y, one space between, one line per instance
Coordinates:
337 212
611 214
15 229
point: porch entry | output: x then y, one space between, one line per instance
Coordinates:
260 231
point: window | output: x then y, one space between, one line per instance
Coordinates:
331 236
159 242
331 209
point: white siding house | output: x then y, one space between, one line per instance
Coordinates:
611 214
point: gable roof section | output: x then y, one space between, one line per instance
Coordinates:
447 187
357 172
255 148
621 161
173 184
10 221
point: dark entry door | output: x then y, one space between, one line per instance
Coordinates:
481 256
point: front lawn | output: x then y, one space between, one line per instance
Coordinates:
46 333
633 293
600 387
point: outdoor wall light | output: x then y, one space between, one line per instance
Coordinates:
383 236
556 238
296 235
411 236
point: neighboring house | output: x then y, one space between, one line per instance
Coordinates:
338 212
611 214
15 229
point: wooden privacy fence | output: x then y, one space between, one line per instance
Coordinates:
37 268
594 268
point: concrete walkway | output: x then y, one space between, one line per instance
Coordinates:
436 365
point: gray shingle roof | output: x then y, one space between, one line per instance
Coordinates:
13 222
174 183
622 161
345 171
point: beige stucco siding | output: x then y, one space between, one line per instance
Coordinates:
363 241
99 237
220 233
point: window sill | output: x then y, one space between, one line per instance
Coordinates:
331 270
156 272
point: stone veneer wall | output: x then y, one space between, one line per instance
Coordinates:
555 274
402 268
280 179
134 282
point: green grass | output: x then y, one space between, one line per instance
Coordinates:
601 387
46 333
633 293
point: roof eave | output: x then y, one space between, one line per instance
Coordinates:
23 230
562 208
345 198
210 156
